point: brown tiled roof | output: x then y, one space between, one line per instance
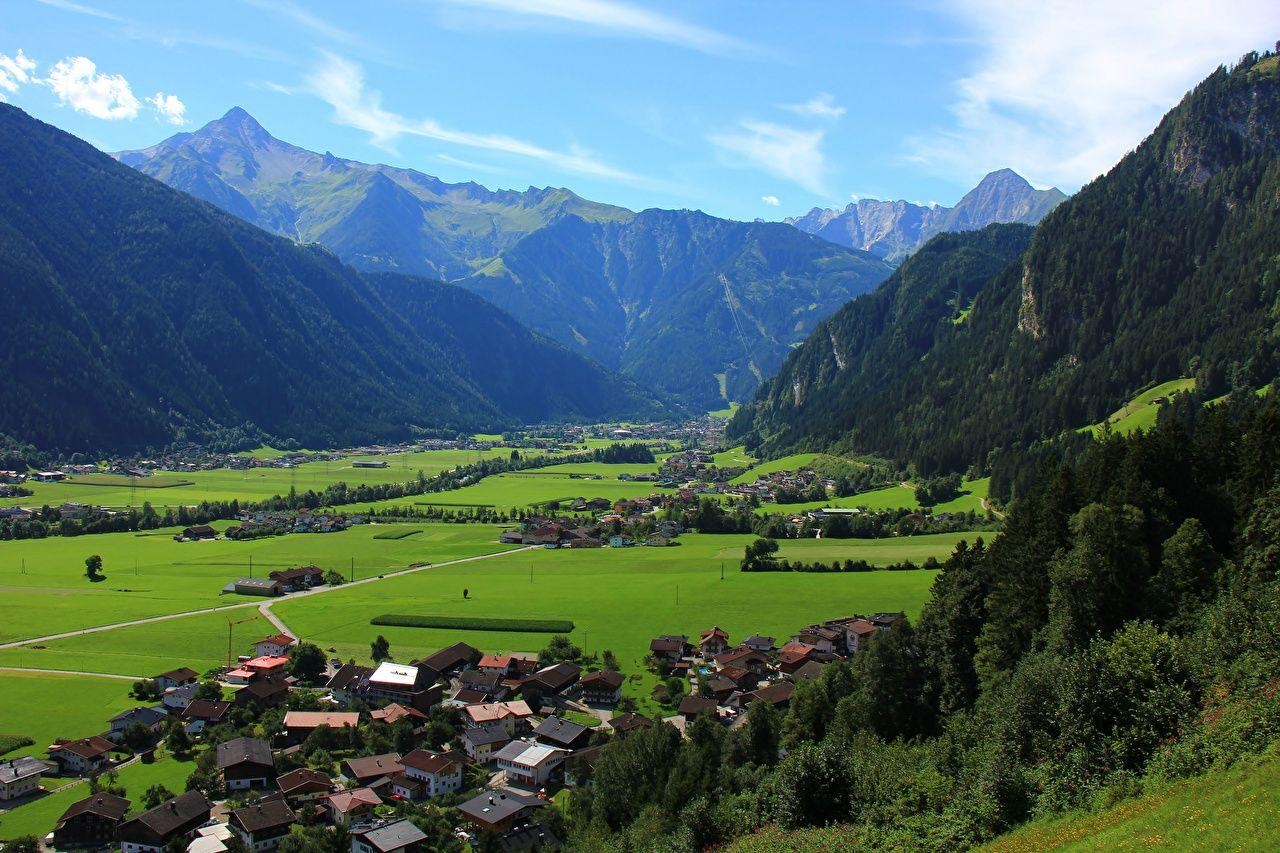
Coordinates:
182 673
630 722
171 816
374 765
267 814
775 694
301 778
697 705
603 678
428 762
102 804
202 709
244 750
88 747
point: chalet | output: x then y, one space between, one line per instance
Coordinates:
503 666
482 743
395 712
20 777
743 658
244 763
885 621
808 671
821 637
201 714
263 825
720 688
625 724
499 809
16 513
794 655
511 537
530 764
304 785
551 680
276 645
778 695
179 677
372 768
601 687
513 717
620 541
263 693
199 531
252 670
713 642
154 829
175 699
757 643
488 686
691 707
293 580
346 684
464 696
86 755
436 773
670 647
399 836
355 805
91 822
565 734
151 719
257 586
299 724
450 659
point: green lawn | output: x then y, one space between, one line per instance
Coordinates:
39 817
877 552
1230 810
254 484
43 589
894 497
794 462
36 705
1141 411
734 457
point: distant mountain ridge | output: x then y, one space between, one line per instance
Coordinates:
893 229
697 309
143 317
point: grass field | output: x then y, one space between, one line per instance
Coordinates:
794 462
254 484
734 457
43 589
1230 810
35 704
894 497
1141 411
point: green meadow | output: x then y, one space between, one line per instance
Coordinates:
43 589
172 489
35 704
972 493
1141 411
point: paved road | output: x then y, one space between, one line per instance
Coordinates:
264 607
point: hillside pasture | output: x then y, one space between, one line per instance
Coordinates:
1141 412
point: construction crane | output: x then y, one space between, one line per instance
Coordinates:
231 625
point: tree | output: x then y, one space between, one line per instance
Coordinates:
307 663
380 649
106 783
332 578
208 691
93 567
609 660
762 733
561 648
145 690
23 844
177 740
155 795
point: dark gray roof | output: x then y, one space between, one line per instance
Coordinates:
497 805
103 804
393 836
171 816
145 716
266 814
243 750
559 731
481 735
17 768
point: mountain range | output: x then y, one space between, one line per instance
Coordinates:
695 308
141 316
1167 266
894 229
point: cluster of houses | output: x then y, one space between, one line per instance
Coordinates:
515 734
727 678
767 487
67 509
262 523
620 524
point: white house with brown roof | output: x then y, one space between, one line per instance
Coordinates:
437 773
274 646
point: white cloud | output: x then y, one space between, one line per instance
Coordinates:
170 108
1062 89
76 82
79 9
14 72
785 152
619 19
341 84
771 200
820 106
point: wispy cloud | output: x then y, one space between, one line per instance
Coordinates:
785 152
341 84
1062 89
81 9
472 165
771 200
15 71
621 19
170 108
820 106
77 83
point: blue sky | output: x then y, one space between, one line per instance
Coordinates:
742 109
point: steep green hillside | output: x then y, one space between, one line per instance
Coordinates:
141 316
1168 266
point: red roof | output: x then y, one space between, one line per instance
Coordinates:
714 632
277 640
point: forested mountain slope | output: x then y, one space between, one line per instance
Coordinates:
140 316
1167 266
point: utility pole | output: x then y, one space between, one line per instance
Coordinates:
231 625
722 570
